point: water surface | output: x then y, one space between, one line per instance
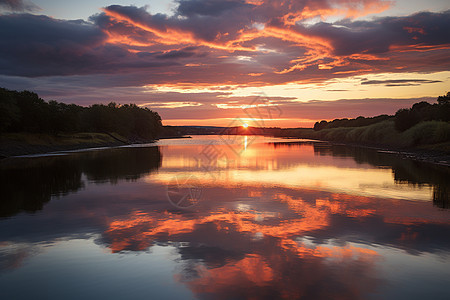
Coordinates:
224 217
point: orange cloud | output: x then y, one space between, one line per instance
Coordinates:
172 36
252 269
413 29
418 48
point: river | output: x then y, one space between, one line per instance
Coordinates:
224 217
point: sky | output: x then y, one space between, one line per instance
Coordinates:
203 62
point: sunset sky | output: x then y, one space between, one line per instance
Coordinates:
199 62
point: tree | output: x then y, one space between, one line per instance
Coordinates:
405 119
9 112
444 99
320 125
26 112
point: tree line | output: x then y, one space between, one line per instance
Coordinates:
26 112
403 118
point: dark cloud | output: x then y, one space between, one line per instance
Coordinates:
175 54
380 35
33 45
207 8
401 82
207 27
18 5
38 45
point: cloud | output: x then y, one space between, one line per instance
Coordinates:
215 8
285 51
217 45
33 45
38 45
348 108
215 42
175 54
420 31
305 114
200 108
18 5
400 82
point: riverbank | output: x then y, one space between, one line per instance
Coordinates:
16 144
430 154
426 141
424 154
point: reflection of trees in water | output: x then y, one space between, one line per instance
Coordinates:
404 170
26 184
28 188
121 163
441 196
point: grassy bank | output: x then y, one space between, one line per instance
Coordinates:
428 135
12 144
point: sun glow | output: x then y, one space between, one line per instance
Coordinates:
245 125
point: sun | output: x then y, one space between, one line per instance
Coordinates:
245 125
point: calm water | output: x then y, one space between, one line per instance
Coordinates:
224 218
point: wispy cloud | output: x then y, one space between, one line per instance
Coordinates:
18 5
400 82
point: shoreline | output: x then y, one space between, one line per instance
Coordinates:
174 137
428 156
42 144
24 144
423 155
13 148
